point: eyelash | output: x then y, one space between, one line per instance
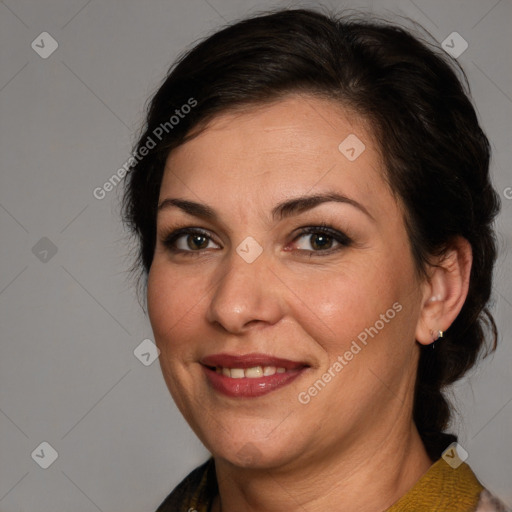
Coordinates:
323 229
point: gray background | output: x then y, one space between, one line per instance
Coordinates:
70 321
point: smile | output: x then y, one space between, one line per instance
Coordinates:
250 375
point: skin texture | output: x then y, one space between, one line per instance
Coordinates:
354 446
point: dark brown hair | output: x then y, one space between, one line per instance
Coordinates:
417 101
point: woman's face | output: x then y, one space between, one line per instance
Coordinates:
319 298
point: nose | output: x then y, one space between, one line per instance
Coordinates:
247 295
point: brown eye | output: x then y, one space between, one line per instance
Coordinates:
197 241
188 241
319 239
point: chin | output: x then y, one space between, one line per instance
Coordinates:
247 452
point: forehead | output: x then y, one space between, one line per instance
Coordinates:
297 145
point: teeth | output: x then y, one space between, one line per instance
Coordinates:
237 373
250 373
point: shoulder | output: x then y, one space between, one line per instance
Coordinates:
490 503
194 492
451 488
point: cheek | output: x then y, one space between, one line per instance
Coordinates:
367 303
171 307
344 303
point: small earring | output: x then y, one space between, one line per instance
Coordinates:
439 334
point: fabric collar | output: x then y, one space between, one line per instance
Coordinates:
441 488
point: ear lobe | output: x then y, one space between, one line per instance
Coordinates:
445 291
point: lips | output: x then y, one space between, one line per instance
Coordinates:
249 361
250 375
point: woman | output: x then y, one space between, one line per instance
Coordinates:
312 202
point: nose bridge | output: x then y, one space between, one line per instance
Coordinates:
242 293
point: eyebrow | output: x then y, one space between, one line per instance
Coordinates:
282 210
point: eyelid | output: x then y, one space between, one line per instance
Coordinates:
172 235
343 240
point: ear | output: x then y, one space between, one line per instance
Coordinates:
445 291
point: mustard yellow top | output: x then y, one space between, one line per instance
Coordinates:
441 489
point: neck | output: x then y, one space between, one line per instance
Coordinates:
371 476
